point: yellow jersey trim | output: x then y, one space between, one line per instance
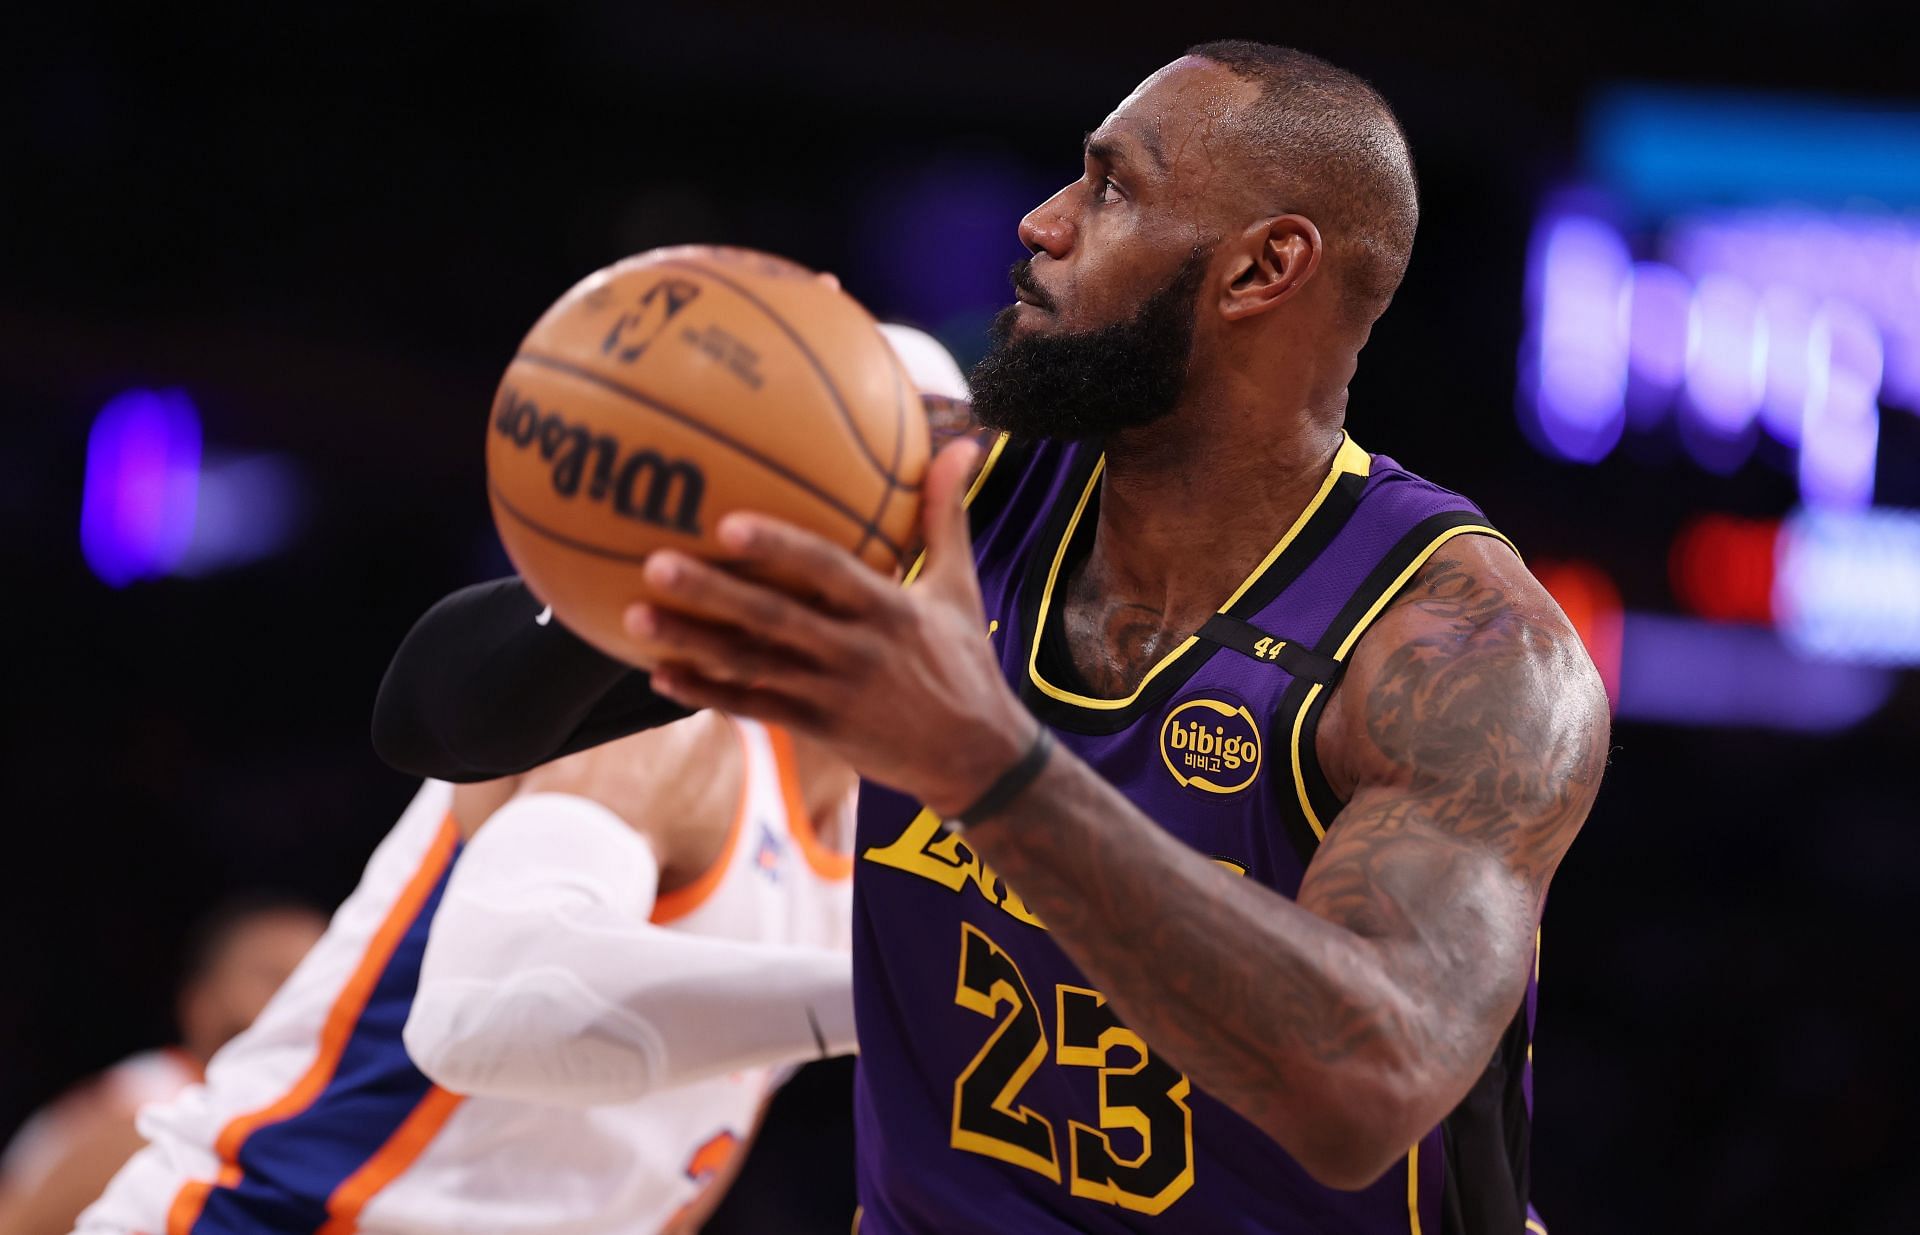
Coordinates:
1346 645
973 490
1349 460
1413 1189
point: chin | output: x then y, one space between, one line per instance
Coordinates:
1023 318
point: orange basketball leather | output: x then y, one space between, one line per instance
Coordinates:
673 387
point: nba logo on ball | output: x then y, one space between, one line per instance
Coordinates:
1210 745
634 329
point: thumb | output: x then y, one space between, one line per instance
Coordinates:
943 512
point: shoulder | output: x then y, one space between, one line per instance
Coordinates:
679 779
1472 651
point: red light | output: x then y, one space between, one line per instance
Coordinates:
1592 604
1722 567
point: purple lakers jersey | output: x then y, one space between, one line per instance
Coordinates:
997 1089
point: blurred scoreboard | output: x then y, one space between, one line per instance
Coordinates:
1734 281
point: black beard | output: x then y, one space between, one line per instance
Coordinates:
1096 382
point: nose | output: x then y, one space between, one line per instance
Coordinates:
1048 227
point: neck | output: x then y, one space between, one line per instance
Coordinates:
1189 506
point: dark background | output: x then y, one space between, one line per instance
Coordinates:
332 225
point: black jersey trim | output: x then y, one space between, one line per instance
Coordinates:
1487 1176
997 479
1280 725
982 498
1317 800
1315 528
1269 649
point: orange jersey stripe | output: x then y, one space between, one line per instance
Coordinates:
334 1034
825 862
406 1144
671 906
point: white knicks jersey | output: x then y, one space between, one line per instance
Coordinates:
315 1120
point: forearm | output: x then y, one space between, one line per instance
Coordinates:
544 981
480 689
1294 1021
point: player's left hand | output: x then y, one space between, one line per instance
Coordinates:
796 631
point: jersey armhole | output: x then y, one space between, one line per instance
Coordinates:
829 864
672 906
1318 802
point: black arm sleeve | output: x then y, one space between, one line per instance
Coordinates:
479 689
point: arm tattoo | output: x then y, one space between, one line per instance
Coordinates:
1478 732
1490 723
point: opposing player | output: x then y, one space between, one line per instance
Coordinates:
1265 760
572 1026
62 1156
563 1017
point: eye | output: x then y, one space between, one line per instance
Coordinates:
1107 193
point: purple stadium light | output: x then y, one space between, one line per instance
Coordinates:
1576 352
251 507
142 484
1688 672
1847 585
1788 315
1659 313
1726 355
1804 320
1842 425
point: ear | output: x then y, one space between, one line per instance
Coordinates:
1272 260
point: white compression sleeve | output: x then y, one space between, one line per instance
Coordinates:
544 981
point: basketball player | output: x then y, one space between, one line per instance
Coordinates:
64 1155
602 978
641 933
1216 768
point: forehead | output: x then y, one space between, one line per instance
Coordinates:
1179 112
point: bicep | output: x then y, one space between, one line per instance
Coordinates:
1472 705
1470 733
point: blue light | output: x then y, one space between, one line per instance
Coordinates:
1684 671
1667 150
1847 585
142 485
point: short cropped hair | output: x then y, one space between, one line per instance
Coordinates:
1339 156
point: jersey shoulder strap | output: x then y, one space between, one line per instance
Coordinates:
1399 523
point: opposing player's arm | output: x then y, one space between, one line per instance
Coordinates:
482 688
544 978
1471 731
94 1147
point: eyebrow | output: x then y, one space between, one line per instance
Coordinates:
1110 150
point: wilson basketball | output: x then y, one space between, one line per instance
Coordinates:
674 387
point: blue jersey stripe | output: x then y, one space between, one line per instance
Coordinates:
291 1168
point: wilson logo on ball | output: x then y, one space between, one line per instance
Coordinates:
642 484
639 326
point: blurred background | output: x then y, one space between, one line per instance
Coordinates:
260 270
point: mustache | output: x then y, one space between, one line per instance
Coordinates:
1021 275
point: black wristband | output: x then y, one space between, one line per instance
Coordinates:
1011 782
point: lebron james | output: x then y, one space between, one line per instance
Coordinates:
1215 768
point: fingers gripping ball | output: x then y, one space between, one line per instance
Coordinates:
674 387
